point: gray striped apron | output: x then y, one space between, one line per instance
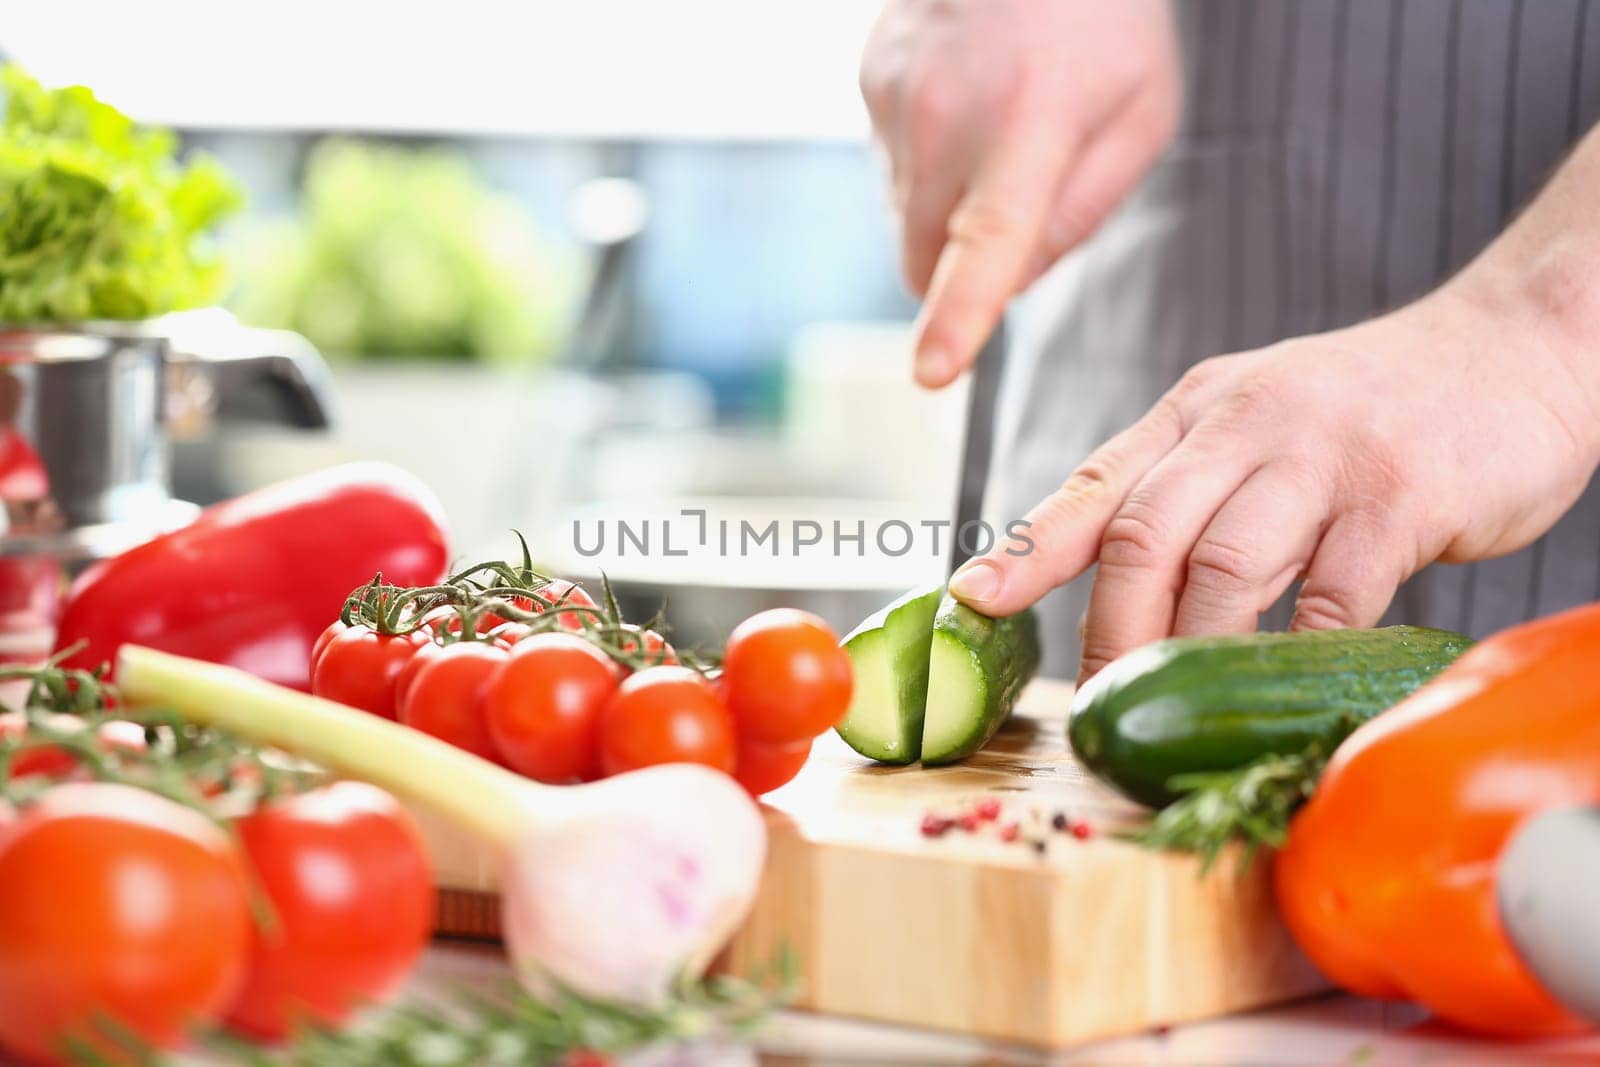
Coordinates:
1336 158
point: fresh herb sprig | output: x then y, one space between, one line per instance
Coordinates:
510 1026
1249 805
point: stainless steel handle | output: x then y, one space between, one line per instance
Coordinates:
282 361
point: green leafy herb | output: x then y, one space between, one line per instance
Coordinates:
1250 805
98 219
510 1026
405 253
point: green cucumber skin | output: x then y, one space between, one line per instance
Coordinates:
1004 656
903 618
1195 704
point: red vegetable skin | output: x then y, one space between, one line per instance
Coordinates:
116 902
351 890
785 676
543 707
252 582
665 715
445 697
761 768
361 668
55 761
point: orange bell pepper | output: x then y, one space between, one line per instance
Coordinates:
1388 876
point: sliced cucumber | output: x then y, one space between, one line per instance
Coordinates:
977 667
889 654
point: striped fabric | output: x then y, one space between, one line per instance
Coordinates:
1337 157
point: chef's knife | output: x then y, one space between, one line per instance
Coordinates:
978 449
1548 882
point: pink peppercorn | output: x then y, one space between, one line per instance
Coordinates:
935 825
1081 830
988 809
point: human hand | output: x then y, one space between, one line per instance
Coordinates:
1012 127
1459 428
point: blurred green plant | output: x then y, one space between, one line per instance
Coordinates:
403 253
98 218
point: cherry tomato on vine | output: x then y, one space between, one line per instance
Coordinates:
650 644
56 762
115 902
360 666
785 676
445 697
761 768
351 889
560 595
544 706
508 634
665 715
335 628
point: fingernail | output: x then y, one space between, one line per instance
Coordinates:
976 580
932 364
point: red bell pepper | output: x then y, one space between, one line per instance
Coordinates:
253 581
1388 878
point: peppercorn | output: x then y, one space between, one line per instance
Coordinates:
988 809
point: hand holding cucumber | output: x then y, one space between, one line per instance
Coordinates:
1351 459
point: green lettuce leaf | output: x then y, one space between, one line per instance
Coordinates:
98 218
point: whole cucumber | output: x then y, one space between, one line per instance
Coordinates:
1195 704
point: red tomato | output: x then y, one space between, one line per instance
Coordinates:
445 697
116 902
561 594
543 707
253 581
360 667
351 890
665 715
762 768
57 762
334 629
508 633
655 646
445 619
785 675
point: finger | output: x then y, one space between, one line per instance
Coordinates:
925 220
1259 543
1112 162
990 240
1145 550
1352 577
1060 537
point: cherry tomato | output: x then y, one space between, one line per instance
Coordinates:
115 902
560 595
445 697
761 768
786 677
655 647
56 762
360 666
335 628
408 673
665 715
446 619
508 634
543 707
351 889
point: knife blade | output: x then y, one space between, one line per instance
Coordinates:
978 447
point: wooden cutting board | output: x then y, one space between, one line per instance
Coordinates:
1087 938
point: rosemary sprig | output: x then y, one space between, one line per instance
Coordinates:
1250 805
510 1026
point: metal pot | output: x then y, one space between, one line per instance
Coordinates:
86 410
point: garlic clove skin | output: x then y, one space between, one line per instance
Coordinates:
636 886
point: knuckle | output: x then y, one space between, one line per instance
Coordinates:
981 222
1095 658
1324 609
1094 478
1222 569
1134 538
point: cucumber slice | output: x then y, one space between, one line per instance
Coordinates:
889 654
977 667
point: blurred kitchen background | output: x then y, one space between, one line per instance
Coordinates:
565 260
